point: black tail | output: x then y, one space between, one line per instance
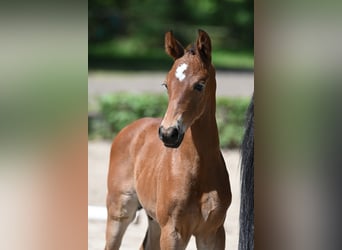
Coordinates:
246 238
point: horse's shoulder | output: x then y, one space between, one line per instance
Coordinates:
148 122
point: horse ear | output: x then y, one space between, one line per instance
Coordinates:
204 46
172 47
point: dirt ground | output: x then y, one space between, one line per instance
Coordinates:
98 157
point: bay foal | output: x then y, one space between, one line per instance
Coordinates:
178 177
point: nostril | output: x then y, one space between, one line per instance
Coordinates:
169 136
174 133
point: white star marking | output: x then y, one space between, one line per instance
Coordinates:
180 71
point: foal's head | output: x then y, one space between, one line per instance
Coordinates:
190 84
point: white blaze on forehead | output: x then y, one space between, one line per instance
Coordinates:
180 71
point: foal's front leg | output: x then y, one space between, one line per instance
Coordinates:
212 241
121 207
172 239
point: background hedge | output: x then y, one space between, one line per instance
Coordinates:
118 110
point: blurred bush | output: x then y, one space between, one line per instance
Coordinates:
118 110
230 116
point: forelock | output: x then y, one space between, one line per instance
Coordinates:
191 49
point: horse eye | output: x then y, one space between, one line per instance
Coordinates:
199 86
164 84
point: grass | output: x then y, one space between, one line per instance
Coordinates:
130 54
223 59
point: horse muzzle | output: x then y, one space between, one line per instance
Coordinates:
172 137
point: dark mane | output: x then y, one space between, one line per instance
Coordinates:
246 238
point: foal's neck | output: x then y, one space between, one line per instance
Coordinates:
204 131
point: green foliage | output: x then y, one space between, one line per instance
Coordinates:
132 28
131 54
146 19
120 109
230 116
